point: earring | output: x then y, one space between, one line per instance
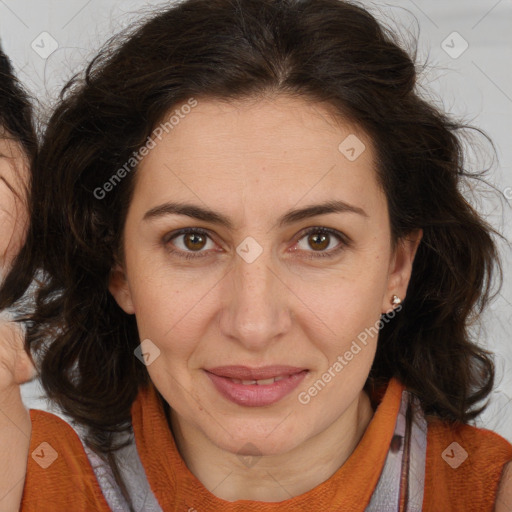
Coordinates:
395 300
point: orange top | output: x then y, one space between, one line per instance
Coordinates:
68 482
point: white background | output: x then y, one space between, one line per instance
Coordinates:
476 85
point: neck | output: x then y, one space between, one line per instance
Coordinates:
272 478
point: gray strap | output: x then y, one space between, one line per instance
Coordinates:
133 474
386 497
418 459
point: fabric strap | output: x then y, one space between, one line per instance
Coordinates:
411 430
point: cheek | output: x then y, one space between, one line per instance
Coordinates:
348 299
169 302
171 317
343 321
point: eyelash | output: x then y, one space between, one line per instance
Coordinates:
190 255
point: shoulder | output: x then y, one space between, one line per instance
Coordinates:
464 466
59 475
480 443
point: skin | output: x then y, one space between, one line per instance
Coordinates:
253 161
15 365
13 212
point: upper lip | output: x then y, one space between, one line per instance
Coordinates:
248 373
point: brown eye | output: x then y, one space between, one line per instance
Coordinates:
189 243
194 241
318 241
322 242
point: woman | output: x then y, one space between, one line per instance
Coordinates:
17 149
259 273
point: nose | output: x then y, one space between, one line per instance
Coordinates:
256 303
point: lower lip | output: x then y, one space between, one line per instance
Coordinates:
254 395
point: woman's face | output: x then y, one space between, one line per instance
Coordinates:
13 212
256 283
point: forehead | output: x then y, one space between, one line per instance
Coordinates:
270 126
266 150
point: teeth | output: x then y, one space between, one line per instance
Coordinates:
261 382
266 381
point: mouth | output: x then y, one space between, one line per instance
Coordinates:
246 373
255 387
260 382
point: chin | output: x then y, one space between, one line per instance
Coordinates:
264 439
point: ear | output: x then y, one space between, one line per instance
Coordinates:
120 289
400 268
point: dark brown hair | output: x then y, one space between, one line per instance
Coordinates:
320 50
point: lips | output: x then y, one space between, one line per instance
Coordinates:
255 387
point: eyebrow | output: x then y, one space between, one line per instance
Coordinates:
290 217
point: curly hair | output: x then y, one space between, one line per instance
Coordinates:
320 50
